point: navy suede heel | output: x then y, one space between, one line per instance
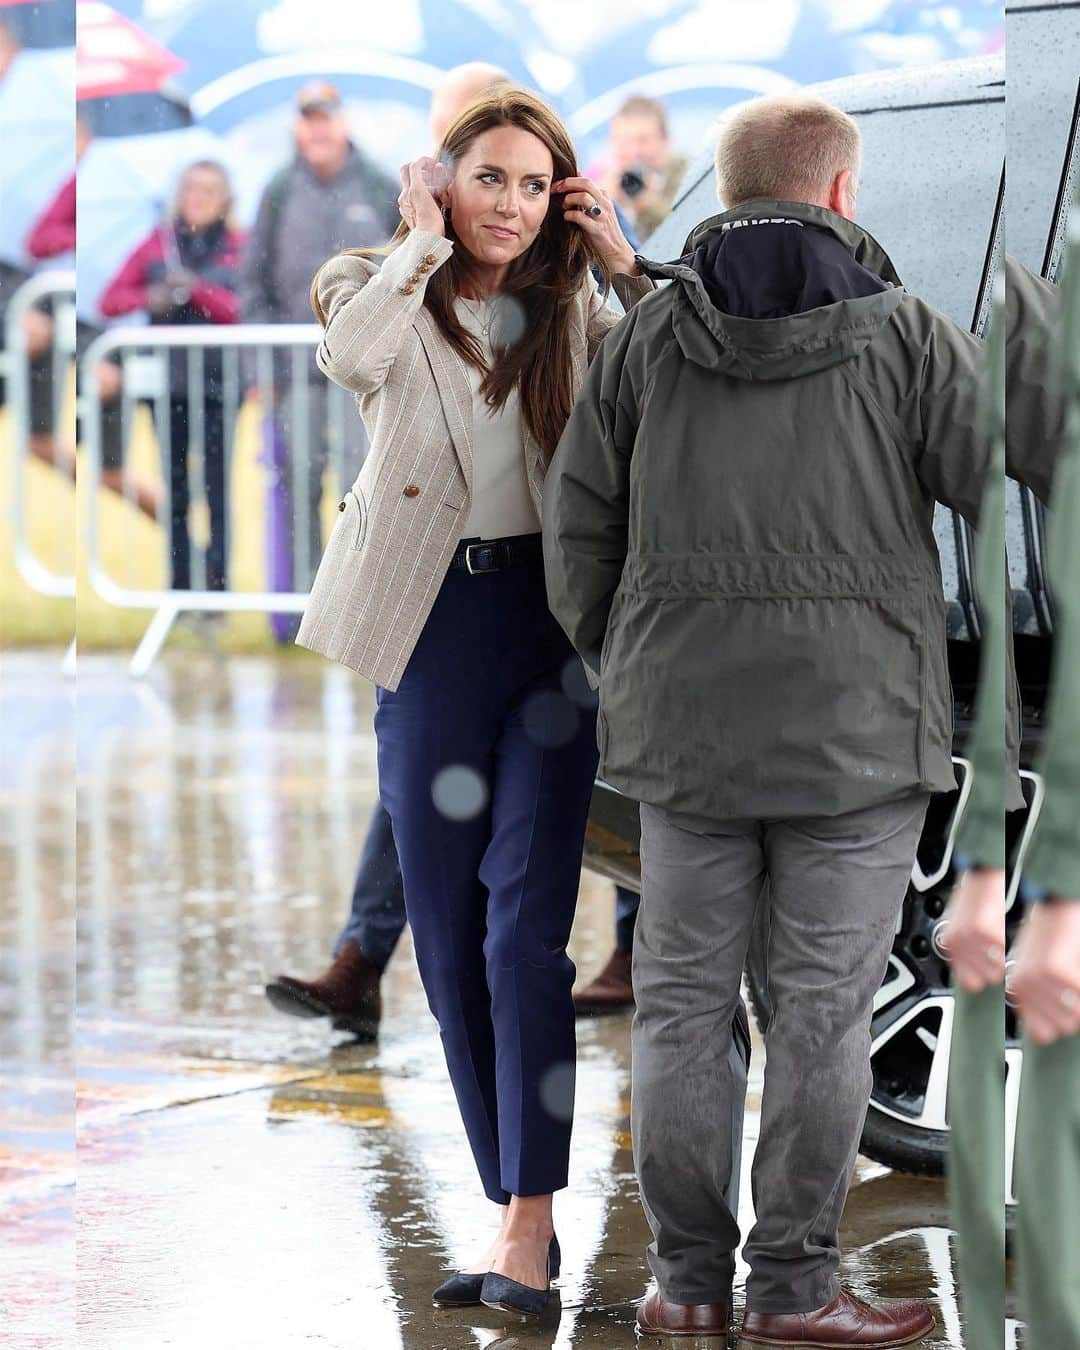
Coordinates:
509 1296
460 1290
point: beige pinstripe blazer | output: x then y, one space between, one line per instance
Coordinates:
402 519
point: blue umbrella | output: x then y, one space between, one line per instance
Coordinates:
38 139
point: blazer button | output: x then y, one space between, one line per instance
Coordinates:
429 259
341 506
415 278
407 290
411 491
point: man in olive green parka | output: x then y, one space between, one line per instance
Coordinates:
738 532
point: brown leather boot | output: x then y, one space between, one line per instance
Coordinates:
657 1317
846 1321
610 991
347 991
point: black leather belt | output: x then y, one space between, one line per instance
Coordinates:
477 556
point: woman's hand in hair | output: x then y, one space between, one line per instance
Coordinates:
581 197
419 204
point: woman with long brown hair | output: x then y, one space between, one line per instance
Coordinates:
465 349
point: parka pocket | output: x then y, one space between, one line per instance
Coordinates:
614 619
800 677
936 726
609 631
354 523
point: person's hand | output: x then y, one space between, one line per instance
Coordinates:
159 298
1045 984
420 205
37 331
110 379
649 203
588 207
611 183
181 281
974 941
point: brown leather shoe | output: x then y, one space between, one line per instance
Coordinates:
657 1317
347 991
846 1321
610 991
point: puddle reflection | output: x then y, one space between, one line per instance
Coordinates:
243 1179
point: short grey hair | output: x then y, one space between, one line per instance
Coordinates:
787 147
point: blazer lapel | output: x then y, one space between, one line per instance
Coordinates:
455 392
579 347
535 469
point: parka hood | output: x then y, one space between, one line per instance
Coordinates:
775 290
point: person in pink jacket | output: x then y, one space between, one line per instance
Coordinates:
187 272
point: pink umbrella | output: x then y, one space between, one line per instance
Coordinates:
114 56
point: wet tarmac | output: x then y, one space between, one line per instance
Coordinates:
244 1178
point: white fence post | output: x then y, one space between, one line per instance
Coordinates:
61 287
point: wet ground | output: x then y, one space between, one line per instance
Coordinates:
247 1179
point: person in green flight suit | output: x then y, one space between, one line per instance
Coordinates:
1046 981
1046 984
975 934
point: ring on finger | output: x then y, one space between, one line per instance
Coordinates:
596 210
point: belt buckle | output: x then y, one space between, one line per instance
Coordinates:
474 571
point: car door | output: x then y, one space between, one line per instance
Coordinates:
1044 167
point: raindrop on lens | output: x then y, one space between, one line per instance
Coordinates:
459 793
557 1091
550 720
508 321
575 684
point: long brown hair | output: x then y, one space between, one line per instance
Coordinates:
544 280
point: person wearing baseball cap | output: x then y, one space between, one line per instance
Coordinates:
330 196
320 96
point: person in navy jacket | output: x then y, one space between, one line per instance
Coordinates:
187 272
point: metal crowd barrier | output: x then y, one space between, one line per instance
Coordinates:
296 404
59 288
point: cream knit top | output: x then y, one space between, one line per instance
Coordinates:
501 503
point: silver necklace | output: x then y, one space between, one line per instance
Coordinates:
484 313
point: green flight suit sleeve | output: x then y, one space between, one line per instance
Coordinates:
981 837
1053 862
1035 408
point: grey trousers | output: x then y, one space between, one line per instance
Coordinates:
835 888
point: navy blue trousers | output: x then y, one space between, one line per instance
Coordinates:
487 754
377 909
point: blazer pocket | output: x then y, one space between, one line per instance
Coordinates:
356 518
